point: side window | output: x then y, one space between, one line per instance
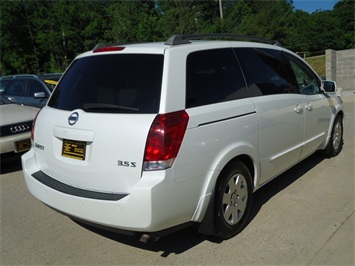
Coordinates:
266 71
308 83
14 87
34 86
213 76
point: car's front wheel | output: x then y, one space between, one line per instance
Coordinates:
233 199
335 144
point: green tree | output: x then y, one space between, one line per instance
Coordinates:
324 32
133 21
344 13
44 36
297 38
233 13
268 19
182 17
19 53
76 26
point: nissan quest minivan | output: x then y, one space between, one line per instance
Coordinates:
149 138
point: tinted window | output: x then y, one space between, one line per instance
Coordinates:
12 87
213 76
34 86
308 83
111 83
266 71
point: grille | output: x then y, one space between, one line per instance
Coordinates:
13 129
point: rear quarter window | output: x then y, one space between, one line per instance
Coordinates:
111 83
213 76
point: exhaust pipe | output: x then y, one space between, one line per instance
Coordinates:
146 237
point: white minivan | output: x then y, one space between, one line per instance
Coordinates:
149 138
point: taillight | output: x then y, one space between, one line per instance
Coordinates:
33 128
164 140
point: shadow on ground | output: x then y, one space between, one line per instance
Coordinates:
186 239
264 194
10 162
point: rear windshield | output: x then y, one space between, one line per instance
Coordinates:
129 83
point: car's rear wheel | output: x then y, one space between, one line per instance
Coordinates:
335 144
233 199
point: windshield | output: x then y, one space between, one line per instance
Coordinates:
127 83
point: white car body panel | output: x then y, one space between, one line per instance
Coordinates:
317 120
277 113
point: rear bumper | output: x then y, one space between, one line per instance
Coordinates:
155 203
69 190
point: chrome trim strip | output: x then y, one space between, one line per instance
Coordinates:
227 118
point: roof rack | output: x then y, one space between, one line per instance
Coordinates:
185 39
21 76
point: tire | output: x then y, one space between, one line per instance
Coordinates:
335 144
233 200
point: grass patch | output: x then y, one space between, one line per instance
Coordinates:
317 63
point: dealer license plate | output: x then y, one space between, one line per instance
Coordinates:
23 145
74 149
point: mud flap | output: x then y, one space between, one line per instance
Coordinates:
207 226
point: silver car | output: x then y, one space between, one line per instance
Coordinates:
15 128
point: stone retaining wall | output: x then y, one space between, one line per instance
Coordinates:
340 67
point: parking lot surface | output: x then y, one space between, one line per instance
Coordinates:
305 216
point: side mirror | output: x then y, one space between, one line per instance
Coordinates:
40 95
11 99
329 86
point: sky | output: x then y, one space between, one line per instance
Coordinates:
312 5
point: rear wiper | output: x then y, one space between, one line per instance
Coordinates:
106 107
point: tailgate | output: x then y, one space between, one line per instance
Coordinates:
100 152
